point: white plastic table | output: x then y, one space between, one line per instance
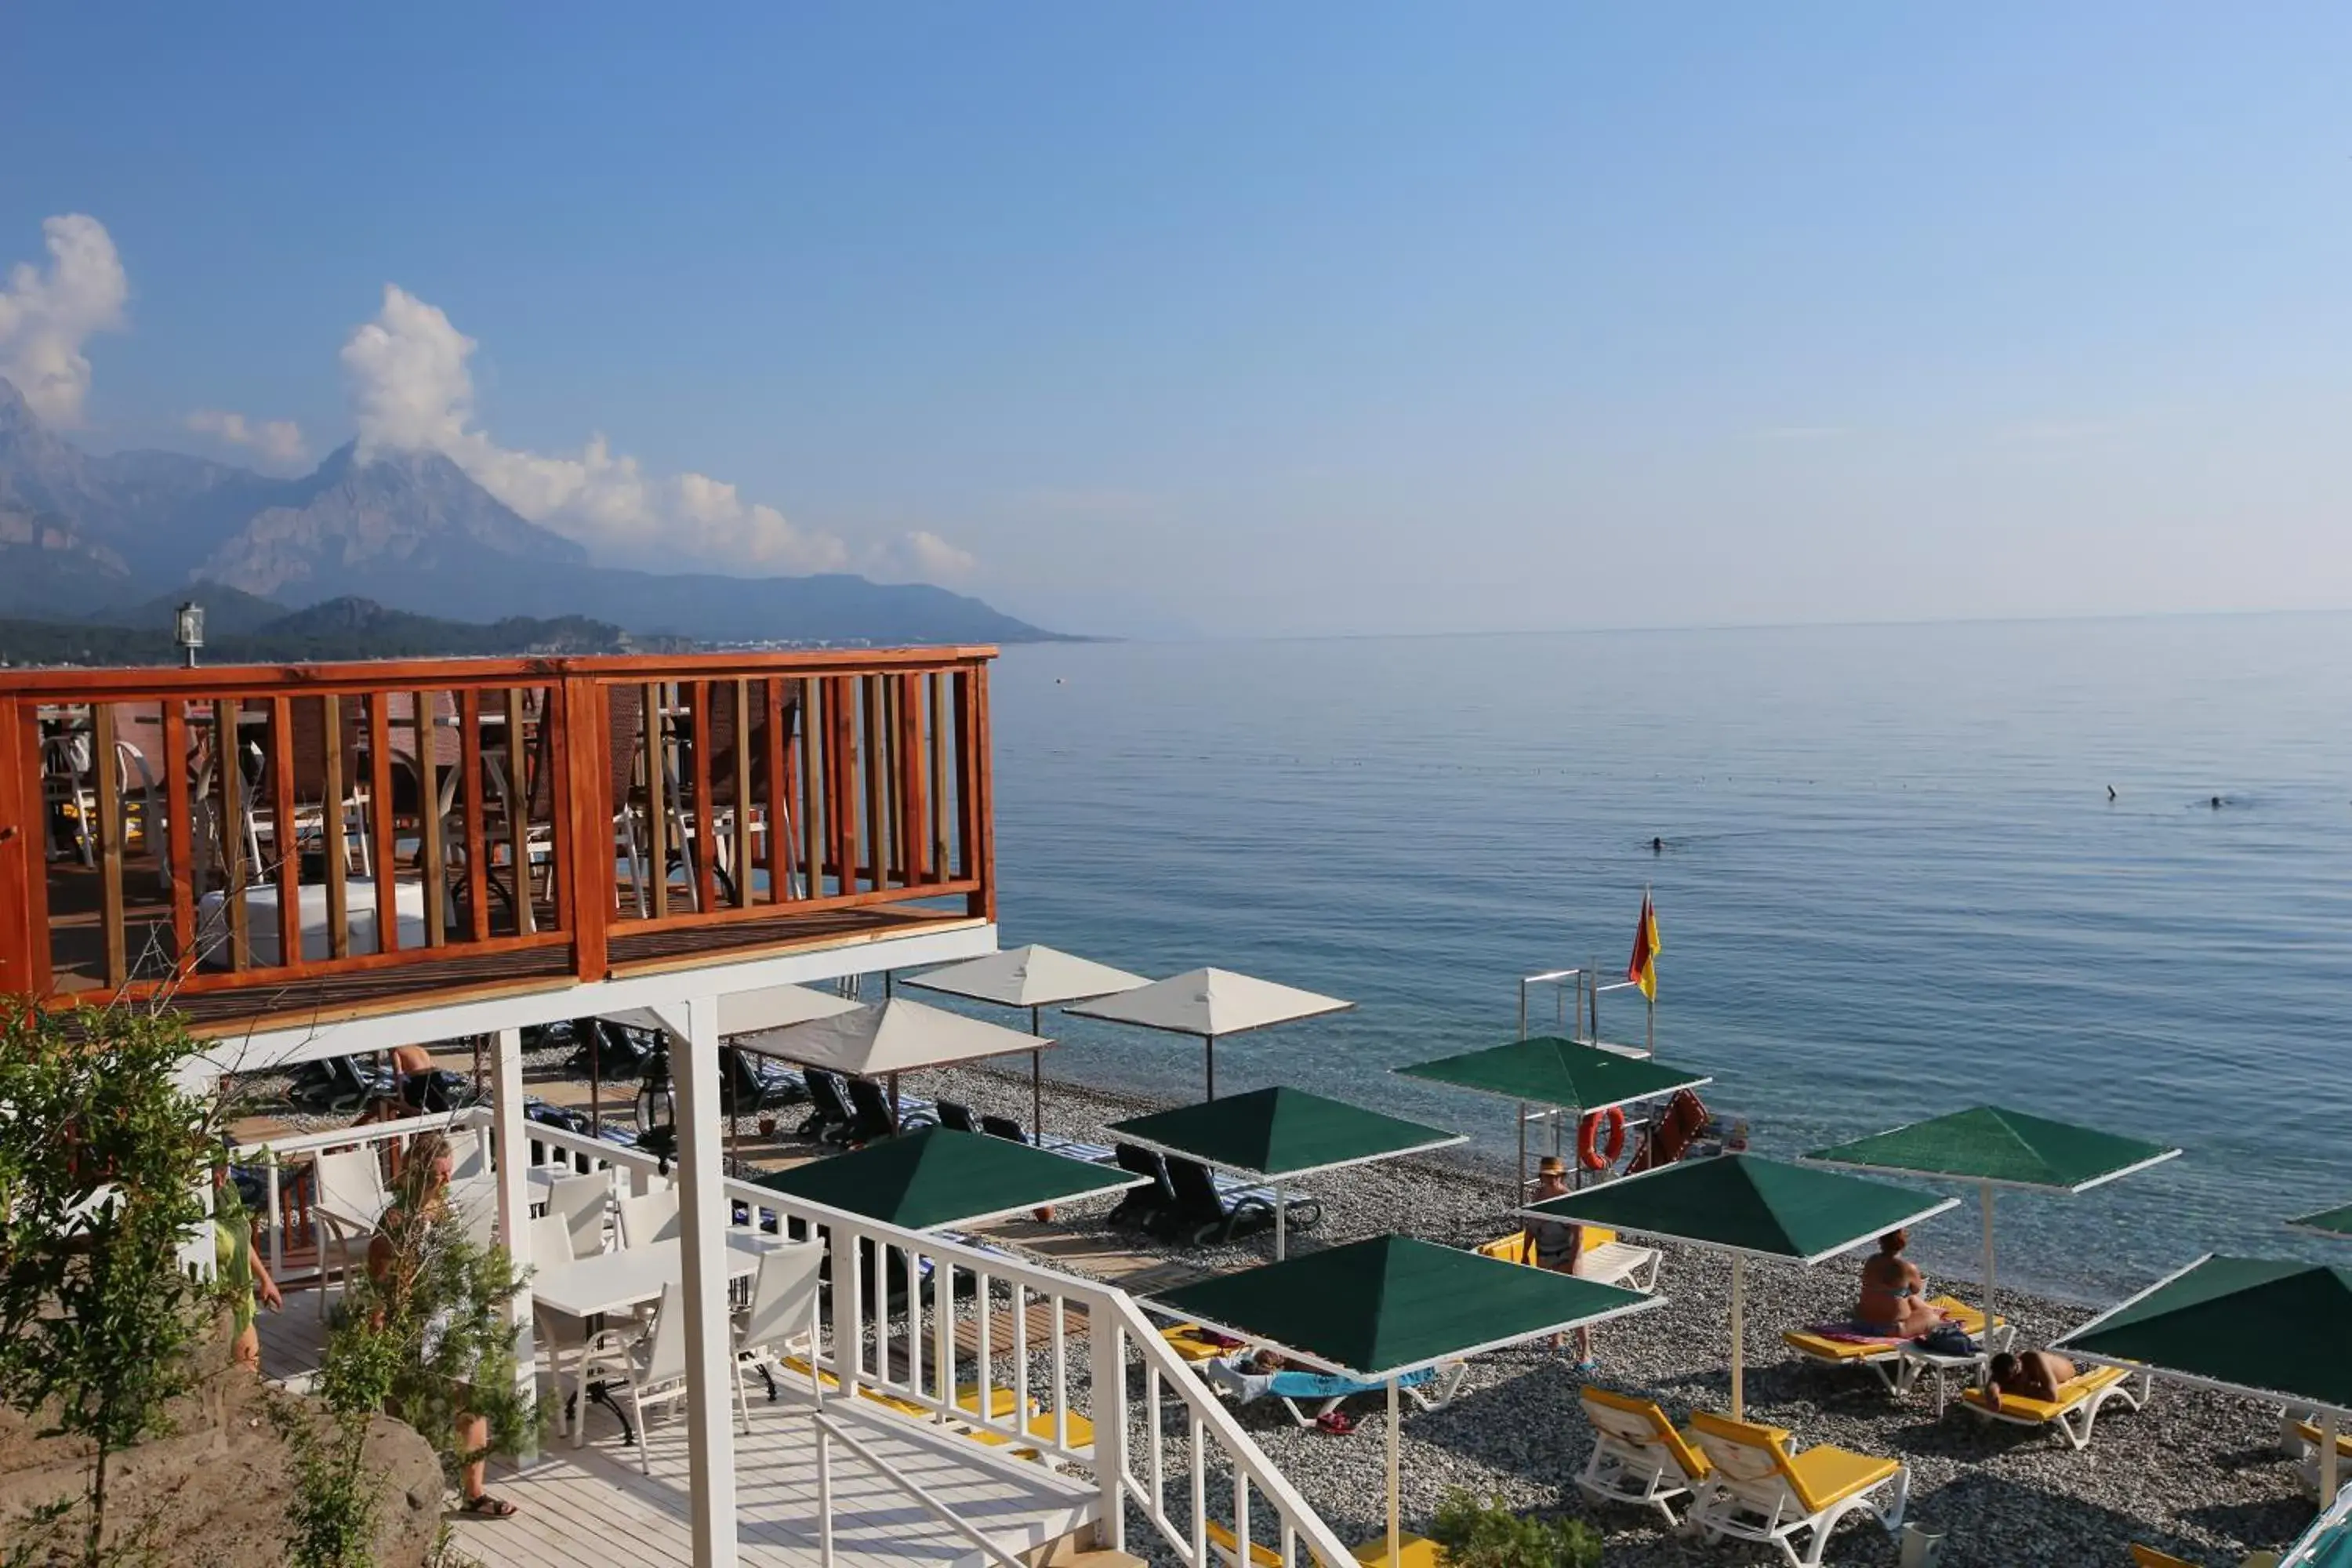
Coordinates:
616 1281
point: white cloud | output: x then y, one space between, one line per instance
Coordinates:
411 390
279 440
921 556
46 317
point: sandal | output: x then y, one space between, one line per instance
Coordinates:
482 1505
1337 1423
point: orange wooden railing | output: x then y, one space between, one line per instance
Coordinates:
214 828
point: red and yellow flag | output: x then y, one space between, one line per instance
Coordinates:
1642 970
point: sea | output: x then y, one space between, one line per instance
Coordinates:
1893 883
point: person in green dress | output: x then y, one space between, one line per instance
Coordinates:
241 1270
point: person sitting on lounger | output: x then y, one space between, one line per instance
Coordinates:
2033 1375
1893 1293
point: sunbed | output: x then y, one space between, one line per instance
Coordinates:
1637 1456
1882 1354
2075 1410
1604 1258
2149 1557
1762 1489
1194 1343
1429 1388
2306 1455
1412 1551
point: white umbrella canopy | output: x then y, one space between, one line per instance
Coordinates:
1030 976
755 1012
1210 1003
1034 977
896 1036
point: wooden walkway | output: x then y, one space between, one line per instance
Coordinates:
593 1505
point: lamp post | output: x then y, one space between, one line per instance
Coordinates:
188 630
658 1107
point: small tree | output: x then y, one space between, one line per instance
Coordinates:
1472 1533
104 1162
428 1334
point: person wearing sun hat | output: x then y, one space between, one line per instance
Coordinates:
1558 1246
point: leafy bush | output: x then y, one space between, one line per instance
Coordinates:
1487 1534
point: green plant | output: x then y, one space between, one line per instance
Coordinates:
337 1496
1474 1533
104 1166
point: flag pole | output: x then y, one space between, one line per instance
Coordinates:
1649 1019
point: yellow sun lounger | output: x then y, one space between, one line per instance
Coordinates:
1881 1356
1763 1490
2149 1557
1637 1456
2075 1410
1412 1551
2306 1455
1190 1342
1605 1257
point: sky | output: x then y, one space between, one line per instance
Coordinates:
1314 319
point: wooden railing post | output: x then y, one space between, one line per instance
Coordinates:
583 825
24 856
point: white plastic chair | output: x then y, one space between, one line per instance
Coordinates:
350 1200
558 1334
649 1219
780 1319
580 1201
652 1365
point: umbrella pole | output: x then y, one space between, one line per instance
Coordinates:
595 1080
2328 1466
1036 1086
1519 1193
1739 1326
1393 1549
1985 1189
1281 1212
1210 1043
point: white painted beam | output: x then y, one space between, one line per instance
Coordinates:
265 1050
702 1229
514 1196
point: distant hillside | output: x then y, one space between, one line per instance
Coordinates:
347 628
85 535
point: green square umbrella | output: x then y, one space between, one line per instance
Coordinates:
1994 1147
939 1177
1558 1075
1749 1206
1281 1133
1378 1310
2334 1224
2259 1328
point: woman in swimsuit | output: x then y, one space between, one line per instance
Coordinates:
1893 1293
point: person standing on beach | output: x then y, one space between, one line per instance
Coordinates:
1556 1244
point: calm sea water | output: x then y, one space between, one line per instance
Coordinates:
1894 883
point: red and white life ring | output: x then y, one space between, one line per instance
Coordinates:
1588 1153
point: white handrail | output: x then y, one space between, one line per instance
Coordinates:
828 1432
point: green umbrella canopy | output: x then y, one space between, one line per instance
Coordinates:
2335 1223
1390 1305
1749 1205
1281 1133
2007 1147
939 1177
1549 1070
2328 1542
2261 1328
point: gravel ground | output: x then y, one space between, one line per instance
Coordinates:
2198 1474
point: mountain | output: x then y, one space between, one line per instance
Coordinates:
345 628
99 537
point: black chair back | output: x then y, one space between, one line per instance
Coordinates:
874 1117
1195 1190
830 1096
1004 1127
959 1117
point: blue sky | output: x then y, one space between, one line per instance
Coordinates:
1312 318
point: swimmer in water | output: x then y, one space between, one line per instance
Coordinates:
2111 792
1657 845
2217 802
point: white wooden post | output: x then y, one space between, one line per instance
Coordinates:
1739 1334
509 1143
709 1343
1108 1348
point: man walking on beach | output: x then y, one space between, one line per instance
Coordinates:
1556 1244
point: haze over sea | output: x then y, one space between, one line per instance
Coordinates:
1894 884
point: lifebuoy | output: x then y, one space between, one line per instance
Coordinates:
1587 1139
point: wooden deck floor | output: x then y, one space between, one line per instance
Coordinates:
592 1504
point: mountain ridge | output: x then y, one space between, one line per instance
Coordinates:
84 535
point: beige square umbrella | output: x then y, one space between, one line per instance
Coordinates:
896 1036
1212 1004
1036 978
740 1012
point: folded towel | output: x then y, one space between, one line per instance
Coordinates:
1847 1334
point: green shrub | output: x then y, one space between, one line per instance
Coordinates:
1475 1534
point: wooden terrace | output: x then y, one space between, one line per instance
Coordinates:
321 842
